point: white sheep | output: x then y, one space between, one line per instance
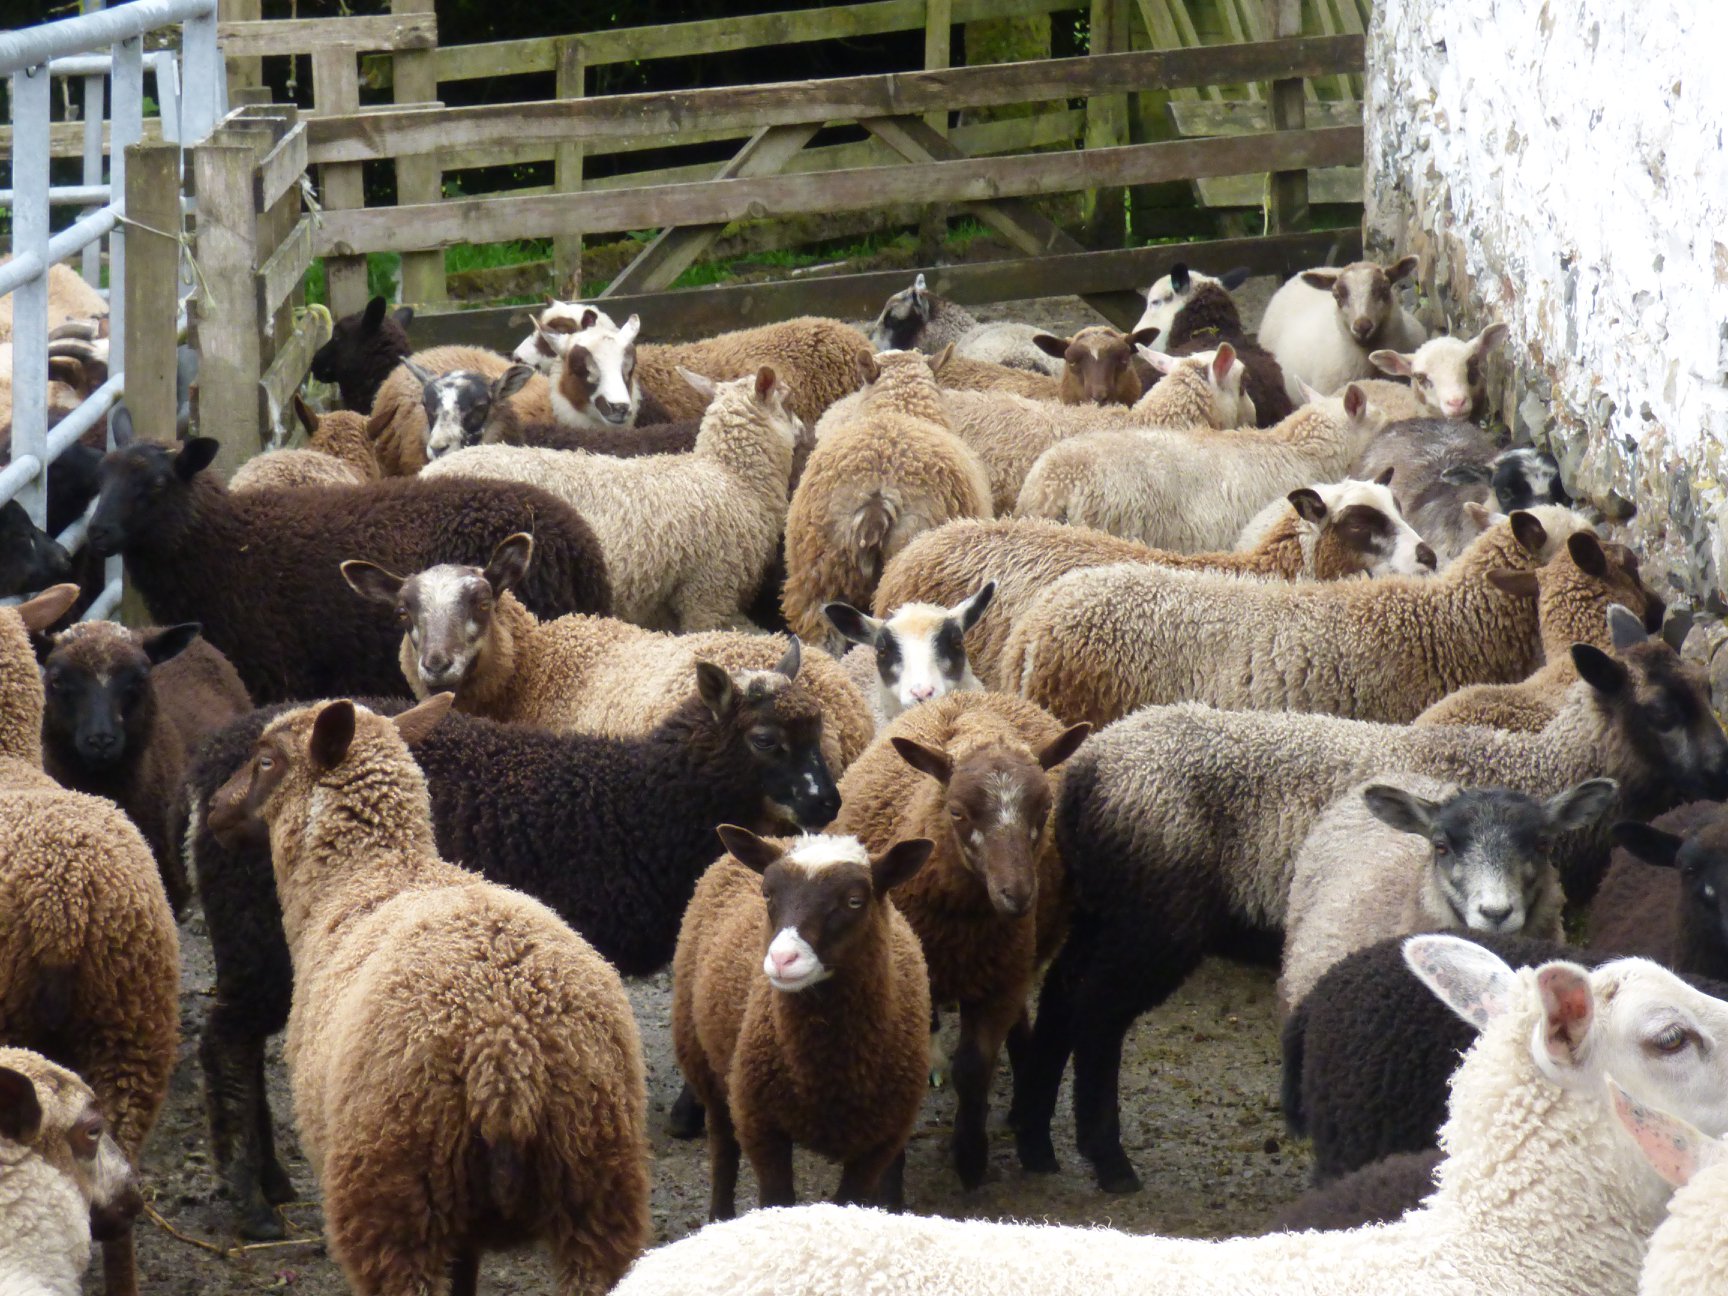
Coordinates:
1688 1254
1540 1192
1446 376
916 654
539 348
1322 324
69 298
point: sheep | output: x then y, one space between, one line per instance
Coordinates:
1328 532
466 1070
625 443
1102 642
89 955
1166 298
1207 316
69 298
1193 491
1097 364
1446 375
817 359
1010 432
1687 1252
1662 897
1180 824
125 710
400 422
465 631
540 348
916 319
974 773
62 1177
958 373
1574 595
260 570
828 1048
1410 853
1323 324
30 558
640 814
1540 1191
1378 1193
915 655
364 348
592 379
338 453
891 471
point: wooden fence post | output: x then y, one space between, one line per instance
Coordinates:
1107 123
336 89
152 286
1287 200
572 79
938 53
246 71
419 179
229 330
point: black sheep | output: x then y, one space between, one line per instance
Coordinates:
611 833
261 570
1369 1052
1666 893
363 348
1376 1194
1210 317
30 558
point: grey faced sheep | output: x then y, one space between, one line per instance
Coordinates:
1687 1251
1666 893
466 1070
463 407
801 1012
916 319
363 349
915 655
1447 375
1323 324
401 418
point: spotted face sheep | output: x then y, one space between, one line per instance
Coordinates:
919 652
1208 317
1166 298
363 348
1097 364
593 376
539 349
464 408
1447 374
916 319
1323 324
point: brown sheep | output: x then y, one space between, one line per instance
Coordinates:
961 373
466 1071
818 358
338 453
801 1013
1098 364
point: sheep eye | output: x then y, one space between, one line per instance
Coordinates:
1423 380
762 741
958 816
1441 848
855 902
1663 717
86 1136
1671 1039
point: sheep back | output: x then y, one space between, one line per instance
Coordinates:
818 358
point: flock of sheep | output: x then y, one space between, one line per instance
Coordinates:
866 676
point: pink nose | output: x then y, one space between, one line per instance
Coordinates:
923 692
1457 406
783 959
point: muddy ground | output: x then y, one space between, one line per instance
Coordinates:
1199 1101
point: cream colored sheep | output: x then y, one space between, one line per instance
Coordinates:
1323 323
1689 1250
1193 491
959 373
817 359
1446 374
891 472
69 298
397 425
1101 643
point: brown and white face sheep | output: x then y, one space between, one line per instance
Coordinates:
1356 527
593 376
1099 364
1447 374
1362 292
540 348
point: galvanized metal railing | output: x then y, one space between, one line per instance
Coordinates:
108 43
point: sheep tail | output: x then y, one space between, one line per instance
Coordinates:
505 1112
872 522
1290 1092
501 1178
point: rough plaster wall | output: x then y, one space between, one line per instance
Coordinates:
1561 165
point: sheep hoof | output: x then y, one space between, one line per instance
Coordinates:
687 1119
1117 1178
1037 1154
971 1159
261 1223
278 1187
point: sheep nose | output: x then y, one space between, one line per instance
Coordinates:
1363 329
1495 914
436 664
923 692
611 411
1425 556
100 744
1457 407
783 959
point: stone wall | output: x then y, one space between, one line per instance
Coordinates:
1562 165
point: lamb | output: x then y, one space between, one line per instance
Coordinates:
62 1177
540 348
466 1070
89 955
974 773
1446 375
1323 324
364 348
958 373
1410 853
817 359
1662 898
687 538
1193 491
69 298
1097 364
1540 1192
400 423
1105 641
260 570
872 484
592 378
1687 1253
338 453
125 710
465 631
1591 594
916 319
829 1047
915 655
1166 298
1180 825
30 558
1327 532
1207 316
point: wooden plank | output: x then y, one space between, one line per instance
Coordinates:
414 79
567 168
243 73
152 284
418 31
229 332
66 139
1337 186
1287 200
336 89
674 249
700 312
1106 209
282 272
362 137
282 166
1236 117
278 383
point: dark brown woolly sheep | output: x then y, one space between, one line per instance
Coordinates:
1376 1194
620 442
1210 317
1098 364
1666 893
363 348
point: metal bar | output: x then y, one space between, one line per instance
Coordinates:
93 64
204 87
95 111
30 117
128 127
168 98
82 419
19 473
23 267
79 195
82 231
107 600
31 46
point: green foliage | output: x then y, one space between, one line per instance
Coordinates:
383 278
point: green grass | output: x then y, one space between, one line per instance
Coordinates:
489 256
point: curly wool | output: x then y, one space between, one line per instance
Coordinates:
1376 1194
818 359
1103 642
1643 911
956 372
447 1035
1208 317
338 454
397 426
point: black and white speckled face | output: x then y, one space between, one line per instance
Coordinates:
1526 477
457 407
903 318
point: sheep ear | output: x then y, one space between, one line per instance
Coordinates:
1063 745
303 412
1488 339
46 608
374 315
1580 806
167 644
1676 1149
1179 278
853 625
1586 551
1468 979
747 848
1625 630
195 456
1400 808
939 361
1466 474
511 381
418 721
1400 268
1597 669
509 562
1308 504
420 373
332 734
967 611
1568 1010
788 665
1145 336
404 316
370 581
764 382
587 319
1309 394
1392 362
628 330
926 760
20 1108
1519 584
120 426
1234 279
899 863
1649 843
1478 515
1355 401
868 370
1528 531
715 687
1162 361
1321 279
1051 345
1221 362
702 385
1385 478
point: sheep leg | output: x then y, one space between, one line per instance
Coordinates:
119 1266
723 1153
1019 1055
771 1159
465 1272
862 1178
981 1033
891 1191
686 1118
1097 1113
1038 1072
241 1135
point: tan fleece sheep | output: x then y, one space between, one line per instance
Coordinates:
687 537
465 631
818 359
974 772
872 484
1194 491
1326 533
397 425
89 955
338 453
1103 642
69 298
1572 594
960 373
465 1068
